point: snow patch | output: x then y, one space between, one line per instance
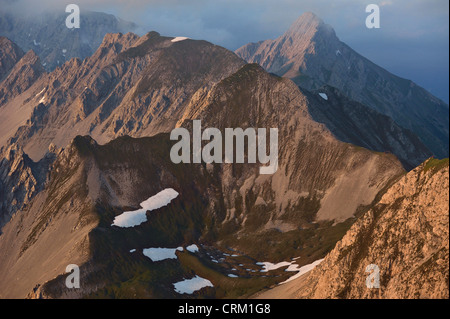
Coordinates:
324 96
132 250
188 286
267 266
301 270
178 39
232 276
40 92
137 217
192 248
42 100
158 254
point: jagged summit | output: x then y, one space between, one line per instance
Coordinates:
310 30
307 20
311 55
286 55
10 54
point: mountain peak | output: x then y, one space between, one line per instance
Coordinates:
307 25
285 56
10 54
17 77
306 19
312 55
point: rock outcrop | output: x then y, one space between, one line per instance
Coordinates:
21 77
20 180
10 54
406 235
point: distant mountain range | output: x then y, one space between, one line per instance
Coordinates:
48 36
89 140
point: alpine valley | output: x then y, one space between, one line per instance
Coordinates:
85 143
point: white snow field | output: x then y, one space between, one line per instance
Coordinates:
192 248
137 217
158 254
188 286
324 96
178 39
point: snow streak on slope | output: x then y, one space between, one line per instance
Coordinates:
178 39
301 270
137 217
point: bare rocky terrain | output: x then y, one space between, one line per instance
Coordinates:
311 54
238 209
88 140
405 234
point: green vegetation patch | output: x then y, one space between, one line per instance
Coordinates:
435 165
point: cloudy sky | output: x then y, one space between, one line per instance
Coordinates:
412 41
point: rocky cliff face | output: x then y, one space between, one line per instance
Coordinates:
20 180
50 232
287 55
311 55
355 123
21 77
10 54
405 234
131 85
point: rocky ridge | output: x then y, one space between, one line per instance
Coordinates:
405 235
126 87
312 55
